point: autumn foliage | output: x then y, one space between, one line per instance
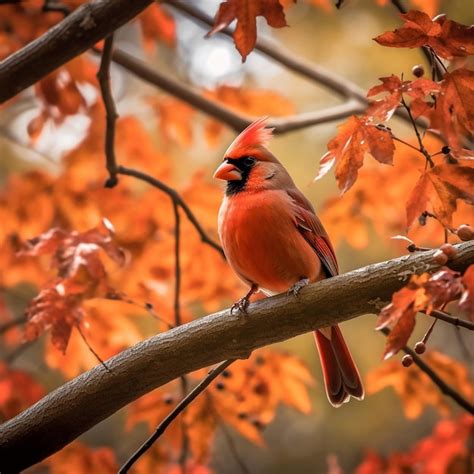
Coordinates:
98 269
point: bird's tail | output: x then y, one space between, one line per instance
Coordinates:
341 377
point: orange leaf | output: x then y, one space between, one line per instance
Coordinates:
246 12
415 388
355 138
394 87
18 391
423 293
446 37
442 186
80 459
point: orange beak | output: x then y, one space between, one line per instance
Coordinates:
228 172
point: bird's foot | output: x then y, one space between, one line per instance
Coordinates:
240 306
296 288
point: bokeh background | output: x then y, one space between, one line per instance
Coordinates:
342 42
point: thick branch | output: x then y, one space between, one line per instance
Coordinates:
83 402
78 32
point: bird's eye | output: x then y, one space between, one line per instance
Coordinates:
249 160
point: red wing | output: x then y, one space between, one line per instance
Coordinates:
313 231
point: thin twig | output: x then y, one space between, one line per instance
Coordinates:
229 439
418 136
53 6
221 112
435 378
78 326
438 314
177 319
315 73
11 356
176 197
12 324
193 394
437 72
103 75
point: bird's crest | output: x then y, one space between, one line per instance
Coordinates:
254 136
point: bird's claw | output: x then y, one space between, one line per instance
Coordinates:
296 288
240 306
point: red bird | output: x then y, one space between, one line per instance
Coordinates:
274 241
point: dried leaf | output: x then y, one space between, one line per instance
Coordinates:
18 391
441 186
246 13
447 38
355 138
423 293
80 459
415 388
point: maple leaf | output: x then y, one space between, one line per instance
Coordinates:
393 88
246 13
81 275
454 111
446 37
441 186
466 302
356 137
81 459
422 293
18 391
415 388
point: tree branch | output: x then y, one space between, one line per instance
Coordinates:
78 32
233 119
446 317
83 402
176 197
110 111
315 73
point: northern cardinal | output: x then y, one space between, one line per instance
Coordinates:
274 241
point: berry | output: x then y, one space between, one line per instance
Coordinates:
407 360
446 150
242 415
226 374
418 70
420 347
466 232
449 250
440 257
220 386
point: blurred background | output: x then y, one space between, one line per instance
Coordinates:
339 40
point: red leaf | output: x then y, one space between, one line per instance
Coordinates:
446 37
355 138
422 293
454 111
246 12
441 186
394 87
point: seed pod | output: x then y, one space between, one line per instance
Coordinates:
449 250
418 70
420 347
440 257
407 360
466 232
